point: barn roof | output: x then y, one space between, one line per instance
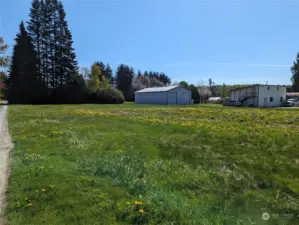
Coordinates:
157 89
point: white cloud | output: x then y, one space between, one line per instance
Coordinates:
180 64
269 65
248 64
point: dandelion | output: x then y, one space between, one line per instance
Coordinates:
138 203
128 203
141 210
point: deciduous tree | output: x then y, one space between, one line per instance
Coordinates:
184 84
4 60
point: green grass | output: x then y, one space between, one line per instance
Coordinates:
84 164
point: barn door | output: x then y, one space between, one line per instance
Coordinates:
172 98
184 98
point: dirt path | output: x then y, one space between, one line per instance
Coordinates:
5 149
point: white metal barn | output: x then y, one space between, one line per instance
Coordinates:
163 95
260 95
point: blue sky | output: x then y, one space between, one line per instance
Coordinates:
229 41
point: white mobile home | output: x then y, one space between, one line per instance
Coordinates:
260 95
163 95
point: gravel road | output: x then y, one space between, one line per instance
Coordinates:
5 150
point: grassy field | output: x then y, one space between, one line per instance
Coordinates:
137 164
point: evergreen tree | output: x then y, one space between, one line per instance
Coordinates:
45 43
295 74
65 55
150 74
24 82
139 74
164 79
52 40
34 30
108 73
124 77
156 75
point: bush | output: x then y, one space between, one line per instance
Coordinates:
74 93
106 96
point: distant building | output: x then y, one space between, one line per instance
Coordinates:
176 95
260 95
214 99
293 95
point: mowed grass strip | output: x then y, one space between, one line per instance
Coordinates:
127 164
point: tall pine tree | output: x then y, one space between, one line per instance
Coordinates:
24 82
295 76
53 43
66 57
108 73
34 30
164 79
124 77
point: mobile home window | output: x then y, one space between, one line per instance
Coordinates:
281 99
271 99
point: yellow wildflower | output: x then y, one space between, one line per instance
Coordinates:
141 210
138 203
128 203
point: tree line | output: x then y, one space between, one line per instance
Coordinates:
202 92
43 68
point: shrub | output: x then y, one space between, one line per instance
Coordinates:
74 93
106 96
